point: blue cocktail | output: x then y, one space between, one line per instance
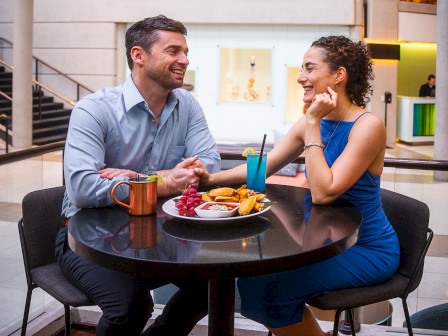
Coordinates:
256 172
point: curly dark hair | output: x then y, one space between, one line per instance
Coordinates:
340 51
144 33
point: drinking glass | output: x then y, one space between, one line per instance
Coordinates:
256 172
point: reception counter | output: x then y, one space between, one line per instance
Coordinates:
416 120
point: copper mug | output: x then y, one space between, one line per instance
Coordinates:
142 196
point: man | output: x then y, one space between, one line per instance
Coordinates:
428 89
148 124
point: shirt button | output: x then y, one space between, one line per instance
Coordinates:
153 167
153 120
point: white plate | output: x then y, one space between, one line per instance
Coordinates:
170 208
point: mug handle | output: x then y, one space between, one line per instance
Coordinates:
112 193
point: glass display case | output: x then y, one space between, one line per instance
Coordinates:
416 120
245 75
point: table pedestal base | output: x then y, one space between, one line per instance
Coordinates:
221 307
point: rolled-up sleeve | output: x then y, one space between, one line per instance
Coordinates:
84 157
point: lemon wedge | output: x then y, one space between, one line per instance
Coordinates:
249 150
155 178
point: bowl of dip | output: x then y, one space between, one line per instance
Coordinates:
216 209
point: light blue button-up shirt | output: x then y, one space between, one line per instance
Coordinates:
114 128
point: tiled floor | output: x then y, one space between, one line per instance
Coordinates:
16 181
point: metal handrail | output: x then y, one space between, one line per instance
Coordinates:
40 85
31 152
38 60
226 154
5 95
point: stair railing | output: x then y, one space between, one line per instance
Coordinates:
41 87
79 86
38 88
5 95
38 71
4 118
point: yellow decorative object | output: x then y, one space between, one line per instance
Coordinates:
154 178
248 150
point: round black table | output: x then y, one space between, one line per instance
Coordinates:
293 233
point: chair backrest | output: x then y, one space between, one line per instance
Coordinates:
410 219
39 225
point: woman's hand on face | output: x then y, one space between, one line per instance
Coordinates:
322 104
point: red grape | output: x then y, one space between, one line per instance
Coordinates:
189 200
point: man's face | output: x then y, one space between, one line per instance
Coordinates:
432 82
167 60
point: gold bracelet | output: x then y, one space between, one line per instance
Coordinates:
312 144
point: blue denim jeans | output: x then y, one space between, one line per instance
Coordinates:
435 318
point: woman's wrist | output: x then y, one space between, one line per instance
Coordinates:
313 121
313 144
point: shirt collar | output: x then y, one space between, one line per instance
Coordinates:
131 95
170 106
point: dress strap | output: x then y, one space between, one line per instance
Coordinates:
360 116
353 123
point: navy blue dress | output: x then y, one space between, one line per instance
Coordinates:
277 300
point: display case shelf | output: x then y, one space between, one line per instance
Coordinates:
245 75
416 120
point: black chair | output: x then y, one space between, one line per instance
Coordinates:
410 219
37 229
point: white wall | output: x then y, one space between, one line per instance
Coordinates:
248 121
408 32
81 38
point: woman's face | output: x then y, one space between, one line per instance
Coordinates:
315 76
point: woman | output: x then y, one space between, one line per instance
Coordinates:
344 155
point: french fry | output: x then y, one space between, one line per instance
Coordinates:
246 205
222 192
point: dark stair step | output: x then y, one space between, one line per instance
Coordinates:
49 139
5 81
5 88
49 131
52 114
5 84
44 99
5 103
5 74
7 91
36 94
49 122
48 106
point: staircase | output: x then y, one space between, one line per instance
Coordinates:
49 127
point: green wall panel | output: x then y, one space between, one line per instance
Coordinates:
417 61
